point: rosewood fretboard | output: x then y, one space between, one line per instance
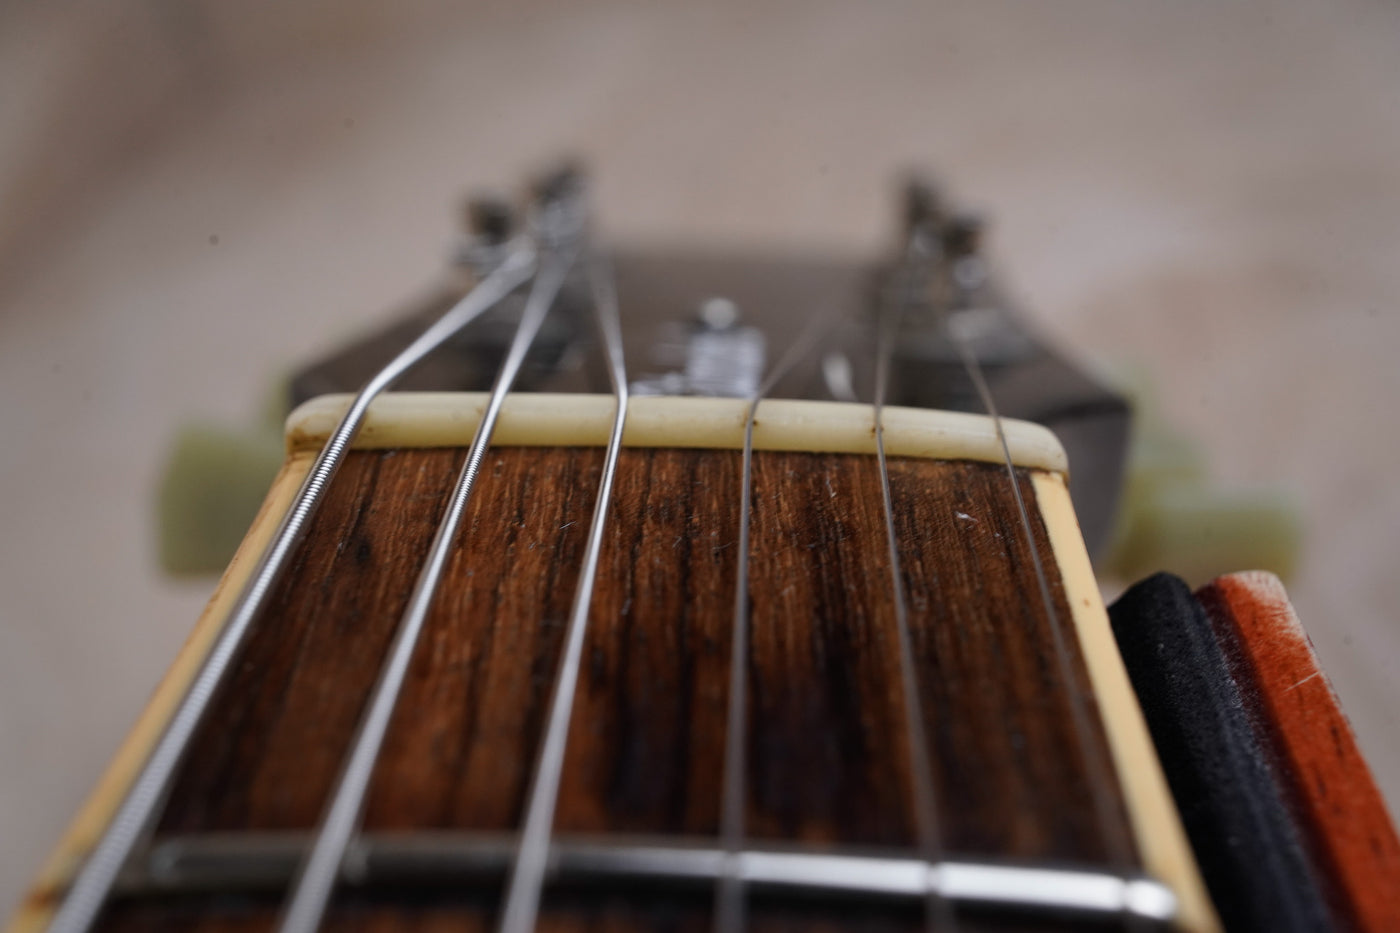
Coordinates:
828 756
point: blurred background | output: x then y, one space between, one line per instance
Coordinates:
196 196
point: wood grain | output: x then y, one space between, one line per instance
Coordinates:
1011 766
649 719
827 730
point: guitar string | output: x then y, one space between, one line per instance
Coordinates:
1115 834
939 913
729 900
321 868
94 881
527 876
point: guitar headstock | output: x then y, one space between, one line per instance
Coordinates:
710 320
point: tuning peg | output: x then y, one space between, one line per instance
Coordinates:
490 219
923 204
559 213
564 181
962 235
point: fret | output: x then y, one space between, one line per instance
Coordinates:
253 863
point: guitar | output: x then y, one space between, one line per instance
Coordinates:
761 615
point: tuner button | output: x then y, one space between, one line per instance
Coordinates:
962 245
717 313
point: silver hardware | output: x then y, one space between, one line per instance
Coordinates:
490 222
264 862
718 314
923 215
559 214
722 356
962 245
660 291
839 377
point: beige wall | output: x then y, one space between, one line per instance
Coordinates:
1210 191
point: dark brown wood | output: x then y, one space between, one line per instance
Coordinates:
1011 767
829 759
649 721
267 756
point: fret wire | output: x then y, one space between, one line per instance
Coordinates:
729 900
1115 835
527 876
246 863
938 912
319 873
91 886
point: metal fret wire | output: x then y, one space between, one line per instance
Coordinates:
938 912
527 876
1115 835
319 873
245 863
92 884
729 900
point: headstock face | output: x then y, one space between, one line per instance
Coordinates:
710 321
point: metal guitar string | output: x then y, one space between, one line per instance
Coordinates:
527 876
320 871
1115 835
94 881
939 913
729 899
